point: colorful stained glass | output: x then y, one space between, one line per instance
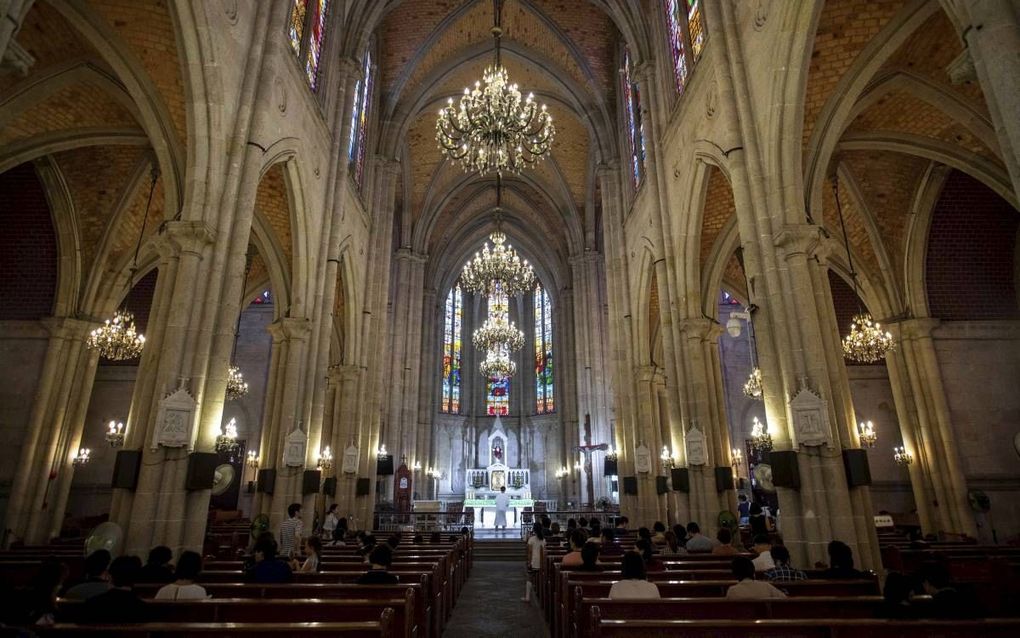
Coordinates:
296 29
635 128
674 32
359 120
318 25
450 400
544 400
497 391
695 27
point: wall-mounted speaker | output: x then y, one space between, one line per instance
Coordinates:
125 469
630 485
723 479
267 481
610 467
681 479
362 487
310 482
785 471
384 465
858 472
329 486
661 484
201 470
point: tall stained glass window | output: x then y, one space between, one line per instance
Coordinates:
296 28
497 390
635 127
681 14
318 26
544 400
696 27
450 401
359 120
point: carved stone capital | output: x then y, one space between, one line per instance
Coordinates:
798 239
341 373
696 327
644 374
961 69
408 254
176 237
68 327
918 328
290 328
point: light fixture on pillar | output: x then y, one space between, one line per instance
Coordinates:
325 462
866 433
578 467
83 457
417 466
562 472
611 454
118 339
115 434
736 457
667 458
902 457
252 460
867 342
494 128
227 440
382 450
236 385
761 440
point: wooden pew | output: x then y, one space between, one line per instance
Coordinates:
382 628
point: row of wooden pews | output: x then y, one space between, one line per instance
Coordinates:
693 603
327 602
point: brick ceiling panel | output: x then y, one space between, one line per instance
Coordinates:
76 106
404 31
147 28
860 241
844 29
48 38
129 224
592 31
425 159
734 275
96 177
258 271
271 200
719 207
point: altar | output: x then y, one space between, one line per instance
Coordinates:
483 484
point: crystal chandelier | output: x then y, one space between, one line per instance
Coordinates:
253 460
227 440
497 333
497 364
494 128
902 457
866 343
866 433
752 387
326 459
500 265
115 434
117 339
761 440
236 385
83 457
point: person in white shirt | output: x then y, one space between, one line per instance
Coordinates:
313 551
184 588
747 588
502 504
329 523
763 547
633 583
536 544
291 531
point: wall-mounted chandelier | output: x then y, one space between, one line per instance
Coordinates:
497 364
115 434
497 333
117 339
866 343
902 457
494 128
866 433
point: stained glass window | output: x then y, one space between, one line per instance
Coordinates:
359 120
318 26
635 127
497 391
544 400
674 32
296 29
695 27
450 401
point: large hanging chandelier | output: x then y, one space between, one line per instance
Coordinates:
500 265
497 364
753 387
117 339
498 333
761 440
236 385
227 440
493 128
866 343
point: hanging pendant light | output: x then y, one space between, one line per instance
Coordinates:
761 440
867 342
236 385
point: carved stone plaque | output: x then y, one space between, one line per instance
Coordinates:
697 452
810 418
294 450
176 417
643 459
350 464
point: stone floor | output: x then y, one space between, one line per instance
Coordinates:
490 605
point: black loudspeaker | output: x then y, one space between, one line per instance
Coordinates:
610 467
310 482
858 472
125 469
267 481
201 470
363 487
723 479
384 465
785 472
681 479
661 484
630 485
329 486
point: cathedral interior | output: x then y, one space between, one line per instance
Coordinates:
731 186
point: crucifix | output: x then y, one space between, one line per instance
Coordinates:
587 450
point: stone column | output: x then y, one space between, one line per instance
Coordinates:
345 379
404 365
12 55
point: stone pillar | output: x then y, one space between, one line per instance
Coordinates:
12 55
404 365
42 479
344 432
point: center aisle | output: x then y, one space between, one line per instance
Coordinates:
490 604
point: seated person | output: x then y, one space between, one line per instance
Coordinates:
35 604
947 600
573 558
96 580
652 564
267 568
634 582
367 545
841 563
896 604
756 517
621 523
157 569
698 543
747 588
782 570
313 556
189 565
590 558
672 547
763 547
725 546
609 544
659 533
378 573
595 536
119 604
